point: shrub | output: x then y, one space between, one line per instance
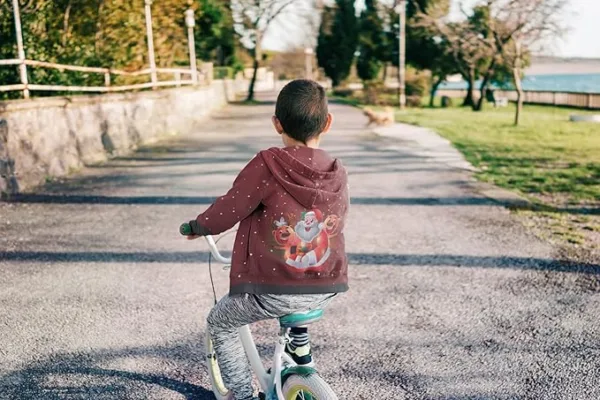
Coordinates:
414 101
417 83
223 73
372 93
342 92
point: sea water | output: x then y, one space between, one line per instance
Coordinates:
585 83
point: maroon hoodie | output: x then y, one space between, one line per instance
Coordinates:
291 204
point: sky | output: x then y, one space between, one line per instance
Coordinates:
582 39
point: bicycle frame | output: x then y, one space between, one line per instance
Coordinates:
268 381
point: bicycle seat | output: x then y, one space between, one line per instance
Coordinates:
300 319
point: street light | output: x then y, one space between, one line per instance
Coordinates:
20 48
308 62
190 22
151 59
401 10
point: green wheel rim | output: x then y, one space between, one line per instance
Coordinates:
300 392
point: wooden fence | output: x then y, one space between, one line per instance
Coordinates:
569 99
178 75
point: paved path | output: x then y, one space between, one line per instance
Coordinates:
451 298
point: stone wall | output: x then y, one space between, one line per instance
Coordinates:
51 137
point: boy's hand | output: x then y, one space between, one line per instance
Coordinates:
192 237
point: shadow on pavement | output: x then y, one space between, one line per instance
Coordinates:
182 200
81 376
97 199
354 259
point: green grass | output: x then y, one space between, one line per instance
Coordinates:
547 156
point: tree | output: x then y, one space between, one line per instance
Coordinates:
442 65
214 35
517 26
462 41
338 36
424 50
370 42
252 19
110 34
493 68
495 39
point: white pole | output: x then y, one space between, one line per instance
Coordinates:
20 48
308 62
190 22
151 59
402 54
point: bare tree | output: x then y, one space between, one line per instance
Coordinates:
521 26
252 19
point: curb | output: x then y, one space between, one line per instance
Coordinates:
434 146
501 196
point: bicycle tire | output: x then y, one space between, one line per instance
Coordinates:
297 387
214 372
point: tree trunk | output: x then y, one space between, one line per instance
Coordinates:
517 82
252 82
484 85
434 88
98 35
257 57
519 87
519 106
482 90
66 32
469 101
385 67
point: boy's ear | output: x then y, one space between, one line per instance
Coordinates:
328 124
277 125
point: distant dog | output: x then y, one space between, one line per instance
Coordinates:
385 117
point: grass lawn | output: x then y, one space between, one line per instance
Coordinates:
546 156
554 162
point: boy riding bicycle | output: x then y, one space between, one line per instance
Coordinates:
288 255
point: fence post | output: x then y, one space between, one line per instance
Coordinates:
150 40
208 70
20 48
107 78
177 76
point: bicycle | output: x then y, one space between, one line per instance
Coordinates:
286 380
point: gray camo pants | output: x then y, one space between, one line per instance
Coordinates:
233 312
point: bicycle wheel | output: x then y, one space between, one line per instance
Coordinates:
218 387
311 387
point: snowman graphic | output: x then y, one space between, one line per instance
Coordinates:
306 245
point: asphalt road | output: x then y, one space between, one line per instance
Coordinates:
451 297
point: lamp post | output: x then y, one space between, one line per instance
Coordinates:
190 22
20 48
308 62
401 10
150 40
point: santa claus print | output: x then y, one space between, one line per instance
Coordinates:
306 245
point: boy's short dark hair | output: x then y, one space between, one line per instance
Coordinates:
302 109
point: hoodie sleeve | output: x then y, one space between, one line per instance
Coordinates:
239 202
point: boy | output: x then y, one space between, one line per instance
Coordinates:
288 255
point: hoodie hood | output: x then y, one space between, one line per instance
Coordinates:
310 176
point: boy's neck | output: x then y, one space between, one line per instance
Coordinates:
312 143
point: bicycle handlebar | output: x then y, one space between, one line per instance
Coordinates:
186 230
